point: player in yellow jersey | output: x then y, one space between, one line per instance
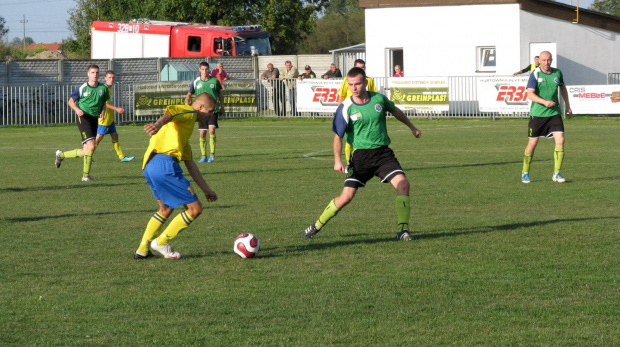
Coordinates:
343 93
106 123
169 144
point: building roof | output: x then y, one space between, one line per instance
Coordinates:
360 47
543 7
55 46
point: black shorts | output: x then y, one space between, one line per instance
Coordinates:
211 121
366 163
545 126
87 125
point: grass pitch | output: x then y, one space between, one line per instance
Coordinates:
495 262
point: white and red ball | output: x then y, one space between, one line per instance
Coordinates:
246 246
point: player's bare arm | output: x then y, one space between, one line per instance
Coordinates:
75 108
400 115
564 92
115 109
193 170
153 128
187 97
337 147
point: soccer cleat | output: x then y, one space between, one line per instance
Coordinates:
310 231
404 235
126 159
203 160
58 160
166 250
557 177
211 159
525 177
138 255
87 179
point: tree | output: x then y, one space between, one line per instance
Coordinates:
341 26
286 19
611 7
3 29
19 42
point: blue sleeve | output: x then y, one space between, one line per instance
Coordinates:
191 88
561 83
76 94
339 124
532 83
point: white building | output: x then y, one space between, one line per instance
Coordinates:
478 37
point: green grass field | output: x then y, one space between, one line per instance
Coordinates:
495 262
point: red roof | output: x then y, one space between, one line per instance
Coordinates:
55 46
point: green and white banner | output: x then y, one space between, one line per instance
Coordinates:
428 94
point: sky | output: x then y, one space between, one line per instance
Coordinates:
47 19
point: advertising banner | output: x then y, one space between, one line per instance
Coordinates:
503 94
595 99
420 93
317 95
152 98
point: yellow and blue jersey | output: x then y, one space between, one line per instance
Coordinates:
109 113
345 92
173 138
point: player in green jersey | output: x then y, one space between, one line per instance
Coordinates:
545 114
362 117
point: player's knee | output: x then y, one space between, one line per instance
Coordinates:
194 209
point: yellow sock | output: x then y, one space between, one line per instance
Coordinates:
403 209
558 158
88 160
178 224
527 160
74 153
118 149
212 143
347 152
152 229
330 212
203 146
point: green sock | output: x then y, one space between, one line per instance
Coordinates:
558 158
88 159
75 153
403 209
212 143
203 146
330 212
527 160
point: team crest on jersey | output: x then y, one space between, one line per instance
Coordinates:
101 93
556 80
378 107
212 85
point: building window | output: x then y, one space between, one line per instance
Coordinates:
486 59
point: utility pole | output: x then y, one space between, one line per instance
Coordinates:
24 31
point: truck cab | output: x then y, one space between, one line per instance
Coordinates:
213 40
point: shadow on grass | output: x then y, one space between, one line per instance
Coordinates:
505 227
75 186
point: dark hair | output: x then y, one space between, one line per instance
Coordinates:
356 71
359 61
93 66
204 63
110 72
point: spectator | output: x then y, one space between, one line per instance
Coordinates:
289 77
398 71
530 68
308 73
333 72
220 73
273 75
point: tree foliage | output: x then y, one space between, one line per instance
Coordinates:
341 26
19 42
289 21
611 7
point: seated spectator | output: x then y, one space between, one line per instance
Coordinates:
308 73
333 72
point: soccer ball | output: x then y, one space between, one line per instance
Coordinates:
246 246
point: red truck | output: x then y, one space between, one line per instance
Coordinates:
143 38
